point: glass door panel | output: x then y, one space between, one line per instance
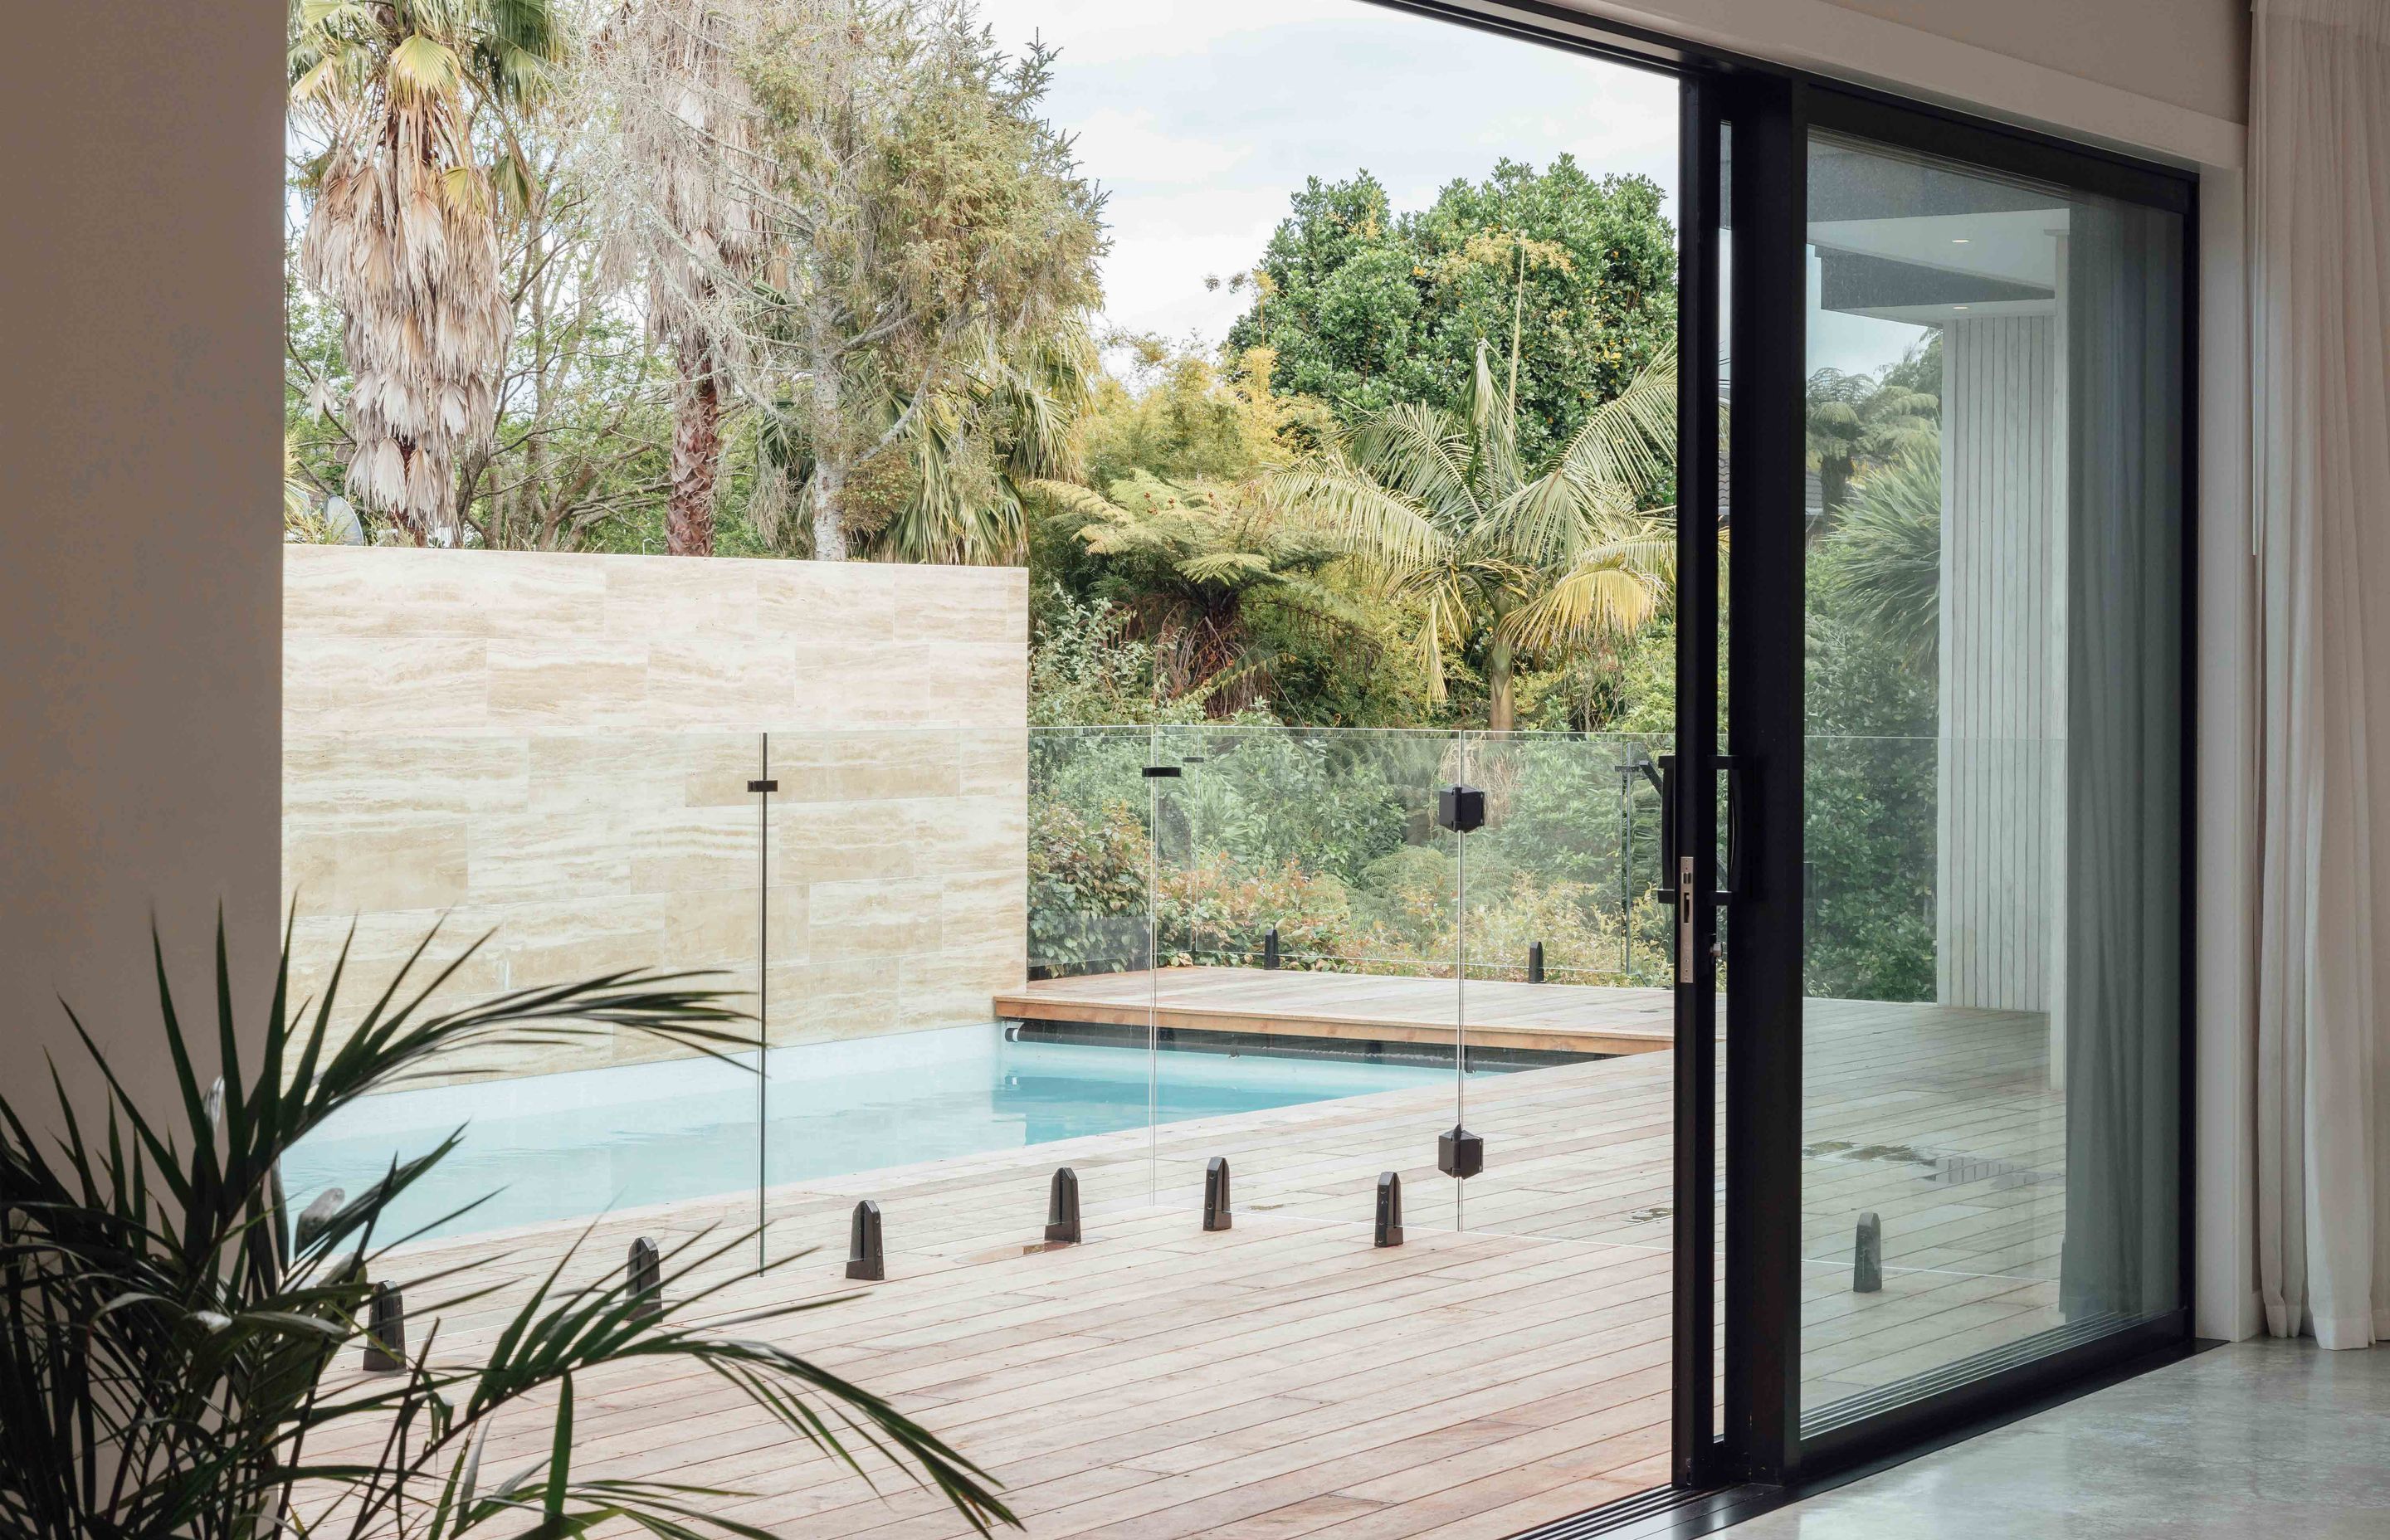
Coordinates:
1990 895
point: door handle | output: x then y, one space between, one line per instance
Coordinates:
1667 816
1740 880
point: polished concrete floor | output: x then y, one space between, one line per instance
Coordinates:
2257 1441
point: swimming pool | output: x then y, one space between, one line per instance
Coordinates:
584 1142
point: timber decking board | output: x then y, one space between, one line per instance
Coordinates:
1285 1379
1501 1013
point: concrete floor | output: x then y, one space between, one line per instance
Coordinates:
2257 1441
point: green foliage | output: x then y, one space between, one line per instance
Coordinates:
1367 308
1888 551
1183 416
1873 703
1085 671
1856 421
1331 802
1412 925
1329 838
1499 557
1089 871
1217 911
942 247
167 1344
1189 565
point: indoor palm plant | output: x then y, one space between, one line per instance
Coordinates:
169 1343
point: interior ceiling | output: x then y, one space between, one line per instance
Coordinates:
1931 268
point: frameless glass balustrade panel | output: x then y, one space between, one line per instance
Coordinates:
901 1071
1567 1031
1304 895
1991 1038
555 858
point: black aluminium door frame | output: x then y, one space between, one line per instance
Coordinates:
1770 116
1768 110
1696 1459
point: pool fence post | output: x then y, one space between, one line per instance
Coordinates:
1535 962
1063 1209
1215 1193
867 1255
386 1332
1866 1256
1390 1209
318 1216
646 1279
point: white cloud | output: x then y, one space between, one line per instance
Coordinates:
1134 149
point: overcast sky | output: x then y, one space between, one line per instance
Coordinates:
1199 117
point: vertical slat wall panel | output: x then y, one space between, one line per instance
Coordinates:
2001 648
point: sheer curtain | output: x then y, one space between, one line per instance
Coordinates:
2124 781
2319 116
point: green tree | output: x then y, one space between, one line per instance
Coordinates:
1860 420
683 216
1365 308
1192 565
1503 558
1887 551
933 236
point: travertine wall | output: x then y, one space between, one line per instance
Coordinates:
557 748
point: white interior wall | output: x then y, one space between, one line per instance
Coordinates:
140 580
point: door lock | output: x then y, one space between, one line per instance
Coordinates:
1684 919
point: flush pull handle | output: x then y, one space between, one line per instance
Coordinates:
1739 879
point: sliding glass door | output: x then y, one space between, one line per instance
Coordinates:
1936 859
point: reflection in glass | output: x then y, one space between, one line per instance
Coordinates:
1991 894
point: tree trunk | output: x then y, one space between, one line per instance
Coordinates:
830 530
695 458
830 450
1501 702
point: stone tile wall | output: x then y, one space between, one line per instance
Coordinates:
554 750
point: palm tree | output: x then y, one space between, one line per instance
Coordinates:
1888 550
1189 562
1511 560
686 222
1005 420
1857 420
407 98
175 1346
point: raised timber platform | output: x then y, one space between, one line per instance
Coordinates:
1359 1006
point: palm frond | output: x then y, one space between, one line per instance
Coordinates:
164 1344
1888 549
1422 455
1363 515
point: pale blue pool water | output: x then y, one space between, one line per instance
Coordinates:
587 1142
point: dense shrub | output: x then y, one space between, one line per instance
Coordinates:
1087 888
1212 912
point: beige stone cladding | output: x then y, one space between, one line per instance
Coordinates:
553 751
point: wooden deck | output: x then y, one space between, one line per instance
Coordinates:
1565 1018
1285 1379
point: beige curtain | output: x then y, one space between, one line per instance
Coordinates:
2319 117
